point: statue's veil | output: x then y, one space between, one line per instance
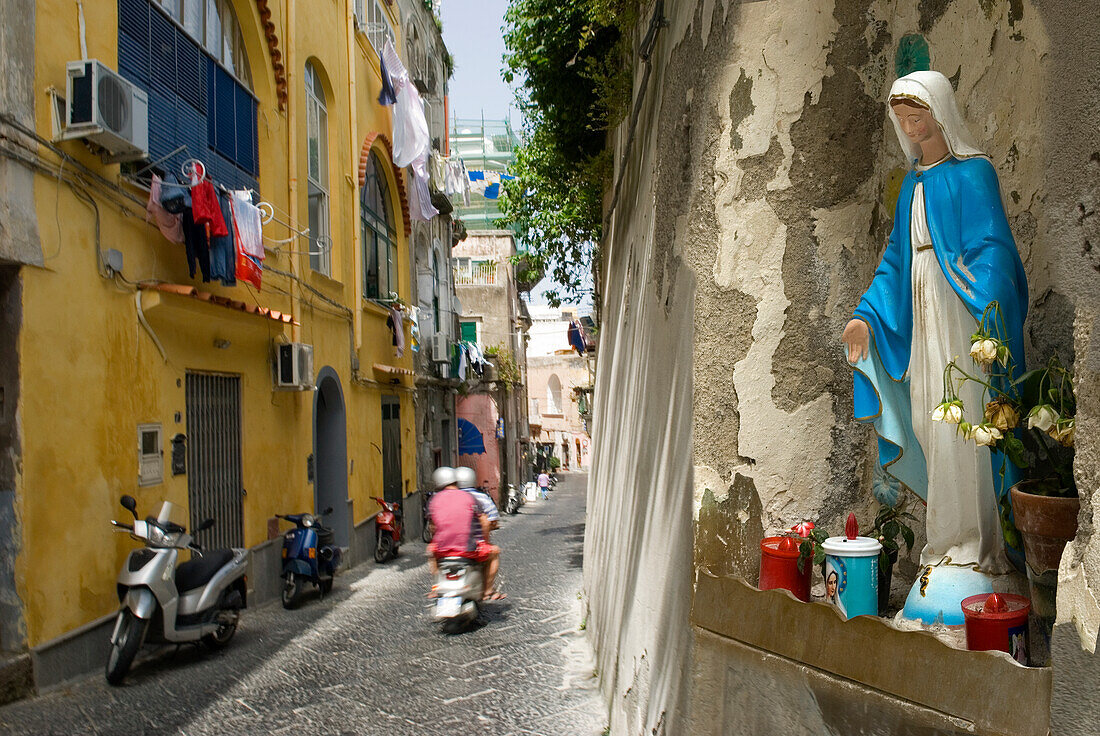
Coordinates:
933 90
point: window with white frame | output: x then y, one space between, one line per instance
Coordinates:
320 256
371 19
150 455
214 25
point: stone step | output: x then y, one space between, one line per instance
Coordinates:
16 677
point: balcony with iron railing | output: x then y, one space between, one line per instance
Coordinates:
476 273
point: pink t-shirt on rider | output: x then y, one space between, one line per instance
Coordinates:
454 514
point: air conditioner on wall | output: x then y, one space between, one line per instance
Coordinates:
107 110
293 366
441 348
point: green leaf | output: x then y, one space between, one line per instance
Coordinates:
909 537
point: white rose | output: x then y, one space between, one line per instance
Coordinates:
937 413
984 351
953 414
985 435
1042 417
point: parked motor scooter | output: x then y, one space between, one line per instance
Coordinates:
426 531
389 530
459 586
198 601
309 555
514 499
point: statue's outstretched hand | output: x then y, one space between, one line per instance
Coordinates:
858 340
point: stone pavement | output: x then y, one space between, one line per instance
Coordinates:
369 659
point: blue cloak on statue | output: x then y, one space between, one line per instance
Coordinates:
975 250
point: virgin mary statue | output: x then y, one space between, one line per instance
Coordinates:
949 256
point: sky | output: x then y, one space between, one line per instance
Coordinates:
471 31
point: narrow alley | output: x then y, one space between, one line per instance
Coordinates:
369 659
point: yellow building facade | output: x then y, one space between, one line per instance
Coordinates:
123 358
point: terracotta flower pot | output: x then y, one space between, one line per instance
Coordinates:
1046 523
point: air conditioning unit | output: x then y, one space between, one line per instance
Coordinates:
107 110
441 348
293 366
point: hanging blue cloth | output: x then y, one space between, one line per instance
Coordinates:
387 95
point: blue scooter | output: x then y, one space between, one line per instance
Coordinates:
309 555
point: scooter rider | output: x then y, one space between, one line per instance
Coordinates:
459 528
466 479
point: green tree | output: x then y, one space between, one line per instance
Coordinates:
573 59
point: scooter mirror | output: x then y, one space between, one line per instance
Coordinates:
327 511
205 525
129 504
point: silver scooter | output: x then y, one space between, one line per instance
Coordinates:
459 587
200 600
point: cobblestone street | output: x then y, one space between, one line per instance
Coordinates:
369 659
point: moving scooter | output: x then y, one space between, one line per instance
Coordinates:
459 586
198 601
388 530
309 555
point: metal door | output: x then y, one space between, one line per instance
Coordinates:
214 483
391 448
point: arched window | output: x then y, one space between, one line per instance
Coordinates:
553 395
320 256
378 233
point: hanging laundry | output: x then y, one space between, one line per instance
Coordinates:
205 208
198 249
437 172
247 224
414 329
396 323
461 370
223 249
387 95
170 225
420 199
175 198
411 139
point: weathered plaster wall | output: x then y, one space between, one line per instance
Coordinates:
758 197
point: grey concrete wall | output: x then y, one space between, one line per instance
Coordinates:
19 241
753 210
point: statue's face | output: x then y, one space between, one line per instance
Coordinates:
917 123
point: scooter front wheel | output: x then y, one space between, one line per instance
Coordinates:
131 631
292 588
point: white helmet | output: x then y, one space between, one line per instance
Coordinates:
442 477
465 477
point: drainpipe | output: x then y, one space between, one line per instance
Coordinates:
292 160
356 252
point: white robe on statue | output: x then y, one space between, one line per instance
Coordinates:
962 523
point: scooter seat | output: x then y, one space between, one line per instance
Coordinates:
197 572
325 536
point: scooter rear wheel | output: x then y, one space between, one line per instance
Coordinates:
292 588
227 627
130 633
384 549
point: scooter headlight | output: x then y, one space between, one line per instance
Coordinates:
307 520
159 538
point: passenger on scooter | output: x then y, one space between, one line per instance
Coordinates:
459 529
466 479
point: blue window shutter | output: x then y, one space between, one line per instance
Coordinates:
133 18
246 130
133 59
162 123
225 139
190 72
211 109
162 52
